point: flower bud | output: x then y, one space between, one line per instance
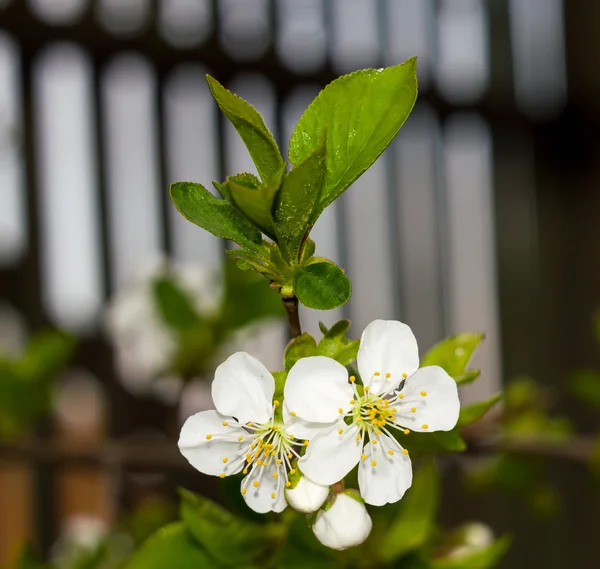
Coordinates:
344 524
470 539
307 496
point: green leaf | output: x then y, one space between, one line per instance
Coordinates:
251 128
254 200
453 354
485 558
297 200
415 521
171 547
246 298
361 113
585 385
300 347
472 413
334 344
307 250
174 305
214 215
432 443
322 285
232 541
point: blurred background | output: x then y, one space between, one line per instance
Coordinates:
481 216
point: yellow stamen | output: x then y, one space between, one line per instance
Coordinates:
358 437
222 475
405 451
278 461
243 491
288 484
273 495
293 413
225 424
340 410
363 456
424 426
225 459
256 484
423 393
290 455
404 375
274 474
374 462
388 375
352 379
245 471
401 396
293 471
276 403
377 374
340 431
208 437
352 401
259 462
391 452
413 410
406 431
240 438
305 443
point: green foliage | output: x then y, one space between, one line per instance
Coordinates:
230 540
173 546
26 382
338 138
414 521
214 215
472 413
361 114
585 385
454 354
251 128
174 306
322 285
297 200
334 344
28 559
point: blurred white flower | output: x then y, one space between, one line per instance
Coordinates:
345 524
81 534
144 345
474 536
307 497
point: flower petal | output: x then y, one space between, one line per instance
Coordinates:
316 388
260 498
437 410
387 347
300 428
386 482
307 496
330 456
243 388
205 442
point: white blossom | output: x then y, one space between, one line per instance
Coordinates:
347 425
345 524
244 434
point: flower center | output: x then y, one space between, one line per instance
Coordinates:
270 451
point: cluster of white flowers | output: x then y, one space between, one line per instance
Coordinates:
292 451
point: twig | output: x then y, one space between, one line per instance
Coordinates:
291 306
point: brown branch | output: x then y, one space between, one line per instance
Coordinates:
291 306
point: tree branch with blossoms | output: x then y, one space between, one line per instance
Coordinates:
348 427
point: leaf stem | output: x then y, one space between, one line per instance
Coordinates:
291 307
